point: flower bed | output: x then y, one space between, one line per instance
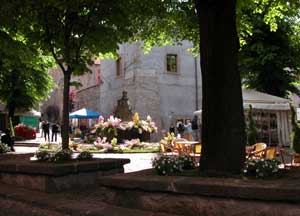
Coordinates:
25 132
136 129
102 146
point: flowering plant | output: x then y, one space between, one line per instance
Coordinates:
25 131
187 162
261 168
114 127
134 143
108 128
142 125
170 137
167 165
85 155
103 144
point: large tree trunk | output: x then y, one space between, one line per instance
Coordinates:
223 129
65 117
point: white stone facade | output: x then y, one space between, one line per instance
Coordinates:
153 91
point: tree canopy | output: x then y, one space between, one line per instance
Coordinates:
75 31
24 78
269 60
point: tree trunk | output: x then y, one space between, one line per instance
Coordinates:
65 117
223 129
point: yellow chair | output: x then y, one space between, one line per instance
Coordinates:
181 148
270 153
258 151
197 148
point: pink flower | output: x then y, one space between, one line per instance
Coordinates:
101 119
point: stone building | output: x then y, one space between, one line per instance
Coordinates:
165 83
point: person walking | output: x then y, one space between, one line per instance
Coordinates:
46 127
55 130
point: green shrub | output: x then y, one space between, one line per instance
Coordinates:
62 156
43 155
167 165
4 148
187 162
261 168
296 130
85 155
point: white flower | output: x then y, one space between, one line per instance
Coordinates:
149 118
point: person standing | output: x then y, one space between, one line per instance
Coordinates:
172 129
195 128
188 130
8 140
41 125
55 129
46 127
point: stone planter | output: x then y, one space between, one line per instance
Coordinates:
51 177
132 134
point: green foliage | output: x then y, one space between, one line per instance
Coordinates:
261 168
251 130
43 155
85 155
187 162
296 130
167 165
4 148
62 156
24 78
268 58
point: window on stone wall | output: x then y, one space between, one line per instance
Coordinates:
172 63
118 67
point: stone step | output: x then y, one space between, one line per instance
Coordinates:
23 202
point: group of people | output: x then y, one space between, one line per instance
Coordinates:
45 130
189 131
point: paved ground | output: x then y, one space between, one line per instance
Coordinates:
139 161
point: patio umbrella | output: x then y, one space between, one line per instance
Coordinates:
84 114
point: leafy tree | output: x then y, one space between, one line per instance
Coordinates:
24 78
269 61
74 31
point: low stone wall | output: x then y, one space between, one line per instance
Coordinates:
50 177
204 196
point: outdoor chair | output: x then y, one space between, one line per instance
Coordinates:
270 153
181 148
258 151
196 154
167 149
289 159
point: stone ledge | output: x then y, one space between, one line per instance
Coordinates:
51 177
270 190
60 169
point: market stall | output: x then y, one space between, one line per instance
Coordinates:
271 115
